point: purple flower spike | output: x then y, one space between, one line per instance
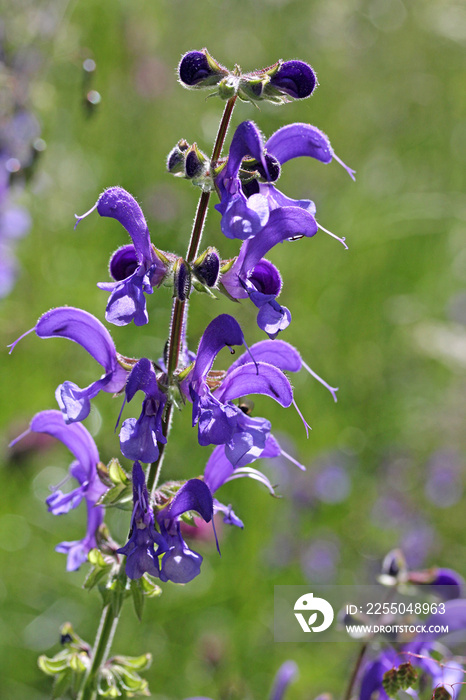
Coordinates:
447 672
139 550
295 78
79 441
198 69
86 330
139 438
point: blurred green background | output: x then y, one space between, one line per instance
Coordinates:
384 321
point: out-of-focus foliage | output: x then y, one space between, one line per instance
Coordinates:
385 320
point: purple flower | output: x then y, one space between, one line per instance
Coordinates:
84 469
87 331
245 208
286 674
251 275
139 438
220 422
137 268
178 563
141 556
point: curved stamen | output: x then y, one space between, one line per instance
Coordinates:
342 240
331 389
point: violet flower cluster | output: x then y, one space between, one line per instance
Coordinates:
252 210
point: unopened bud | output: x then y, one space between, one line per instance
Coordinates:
207 267
198 69
176 158
294 78
196 163
181 280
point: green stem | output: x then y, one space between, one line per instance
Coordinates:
101 650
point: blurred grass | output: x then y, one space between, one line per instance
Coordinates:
378 320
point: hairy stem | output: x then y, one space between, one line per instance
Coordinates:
101 650
177 322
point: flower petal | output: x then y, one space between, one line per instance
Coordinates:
286 674
256 379
283 223
81 327
118 204
298 139
75 436
193 495
217 469
274 352
223 331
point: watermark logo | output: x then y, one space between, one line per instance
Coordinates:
307 603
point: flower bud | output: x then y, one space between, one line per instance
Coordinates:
176 158
198 69
181 280
196 163
207 266
295 78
